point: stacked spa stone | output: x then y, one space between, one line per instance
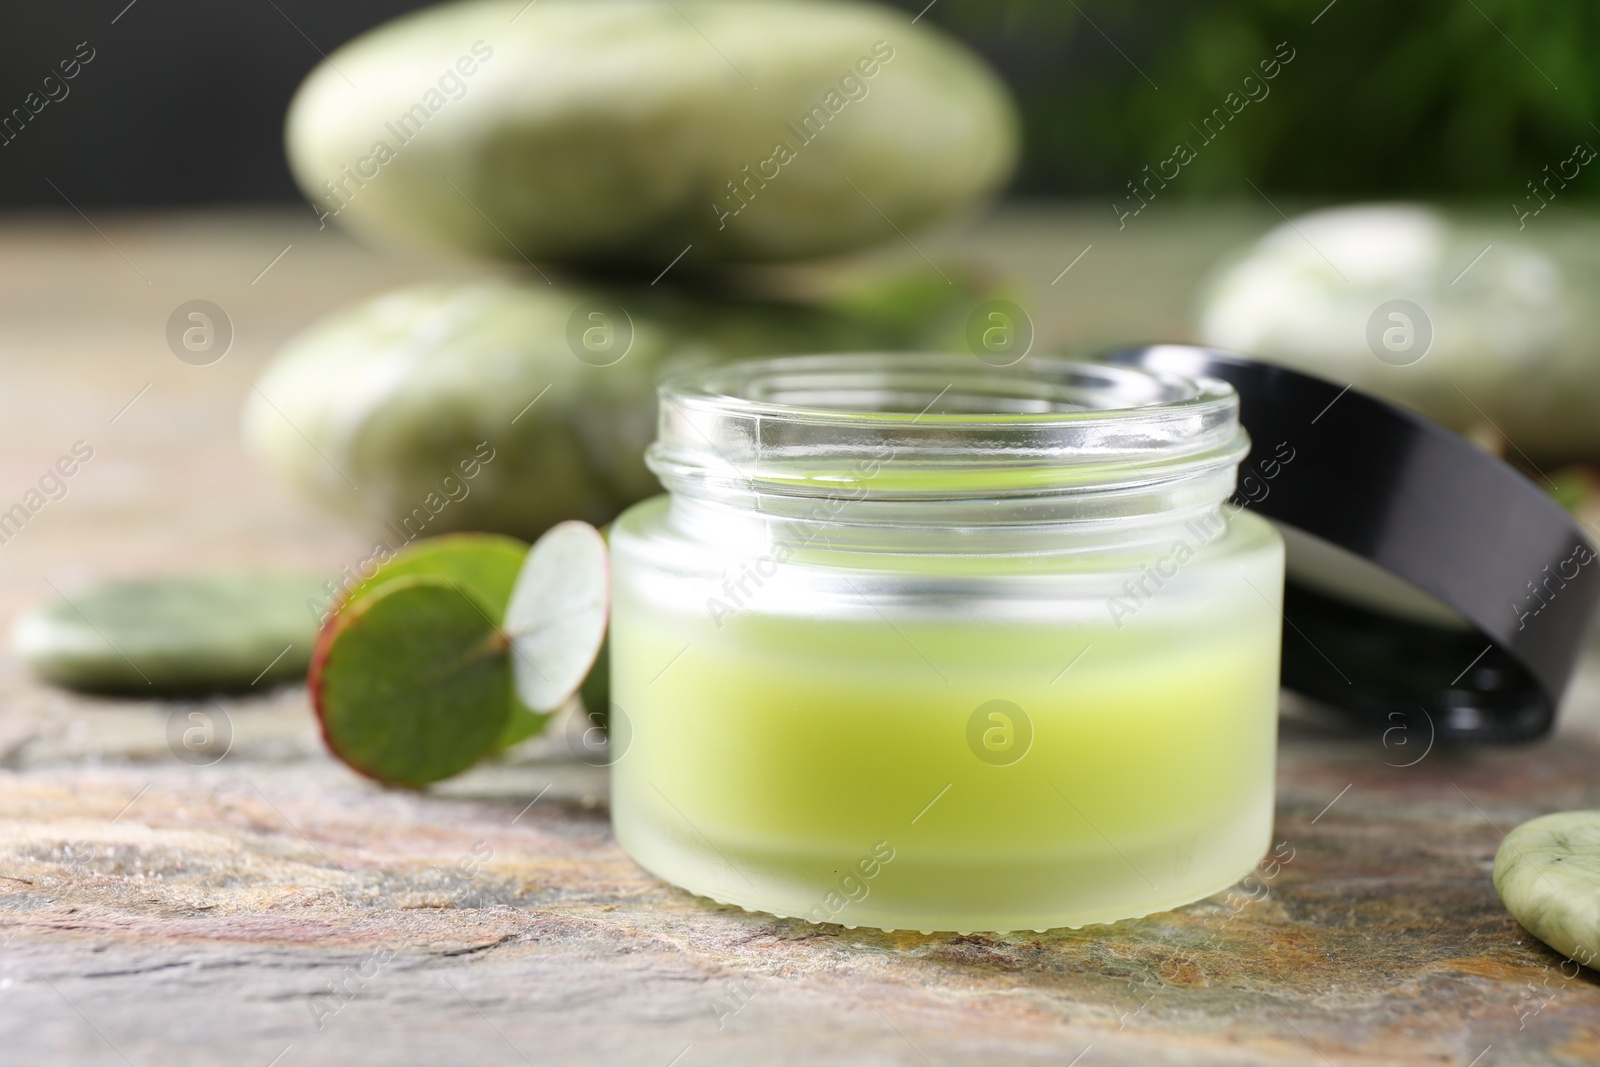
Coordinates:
629 159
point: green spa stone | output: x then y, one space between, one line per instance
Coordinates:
223 631
619 133
1547 873
1509 344
501 407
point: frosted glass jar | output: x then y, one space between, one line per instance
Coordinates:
913 642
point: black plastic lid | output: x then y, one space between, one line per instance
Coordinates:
1426 506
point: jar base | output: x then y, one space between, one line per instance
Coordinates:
1179 901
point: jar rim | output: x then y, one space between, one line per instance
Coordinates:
913 426
754 387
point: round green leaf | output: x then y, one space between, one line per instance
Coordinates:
558 612
182 635
522 724
412 682
483 565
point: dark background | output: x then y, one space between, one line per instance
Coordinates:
184 100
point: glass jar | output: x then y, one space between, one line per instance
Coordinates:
914 642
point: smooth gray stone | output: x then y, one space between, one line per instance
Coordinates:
1547 873
478 406
622 132
1509 343
214 632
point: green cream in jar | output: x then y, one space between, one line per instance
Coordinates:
917 643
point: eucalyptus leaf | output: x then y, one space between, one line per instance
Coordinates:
484 565
412 681
558 613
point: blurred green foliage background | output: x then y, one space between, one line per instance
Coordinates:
1468 98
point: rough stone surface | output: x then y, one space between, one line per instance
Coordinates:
273 905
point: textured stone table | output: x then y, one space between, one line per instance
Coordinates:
275 909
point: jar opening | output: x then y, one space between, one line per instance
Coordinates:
929 426
933 388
